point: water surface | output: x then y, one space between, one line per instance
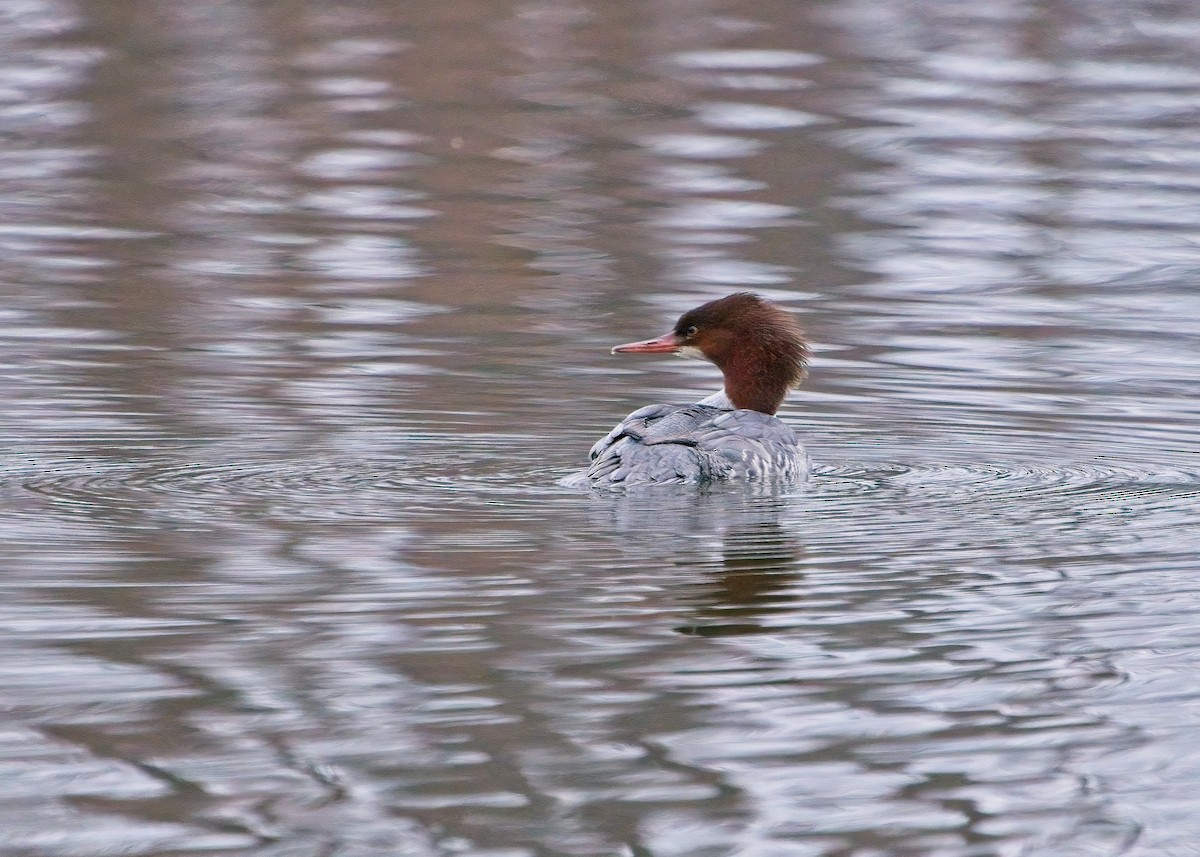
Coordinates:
305 316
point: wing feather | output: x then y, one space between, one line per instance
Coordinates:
696 443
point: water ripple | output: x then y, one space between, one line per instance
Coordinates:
330 487
376 487
1126 487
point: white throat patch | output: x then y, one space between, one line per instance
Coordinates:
717 400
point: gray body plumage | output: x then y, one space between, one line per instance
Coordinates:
696 443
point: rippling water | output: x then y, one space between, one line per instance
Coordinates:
305 319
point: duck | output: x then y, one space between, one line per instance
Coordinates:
734 433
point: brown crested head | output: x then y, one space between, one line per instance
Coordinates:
758 346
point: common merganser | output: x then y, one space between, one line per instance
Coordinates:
733 434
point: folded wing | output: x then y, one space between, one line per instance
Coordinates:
696 443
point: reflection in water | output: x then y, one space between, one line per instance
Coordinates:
753 581
739 561
305 311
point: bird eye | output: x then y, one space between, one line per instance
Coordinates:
690 332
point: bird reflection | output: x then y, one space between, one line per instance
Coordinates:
734 561
752 581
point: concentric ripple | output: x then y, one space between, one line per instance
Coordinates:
979 510
1019 480
309 487
429 478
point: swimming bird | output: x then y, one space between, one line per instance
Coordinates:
732 434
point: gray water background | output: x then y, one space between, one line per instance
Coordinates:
305 312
